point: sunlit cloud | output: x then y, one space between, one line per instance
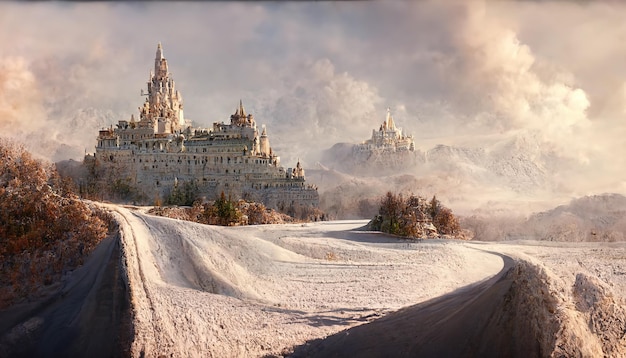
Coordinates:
540 82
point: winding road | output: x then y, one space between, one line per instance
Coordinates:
90 315
471 322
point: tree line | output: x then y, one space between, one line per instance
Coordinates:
226 211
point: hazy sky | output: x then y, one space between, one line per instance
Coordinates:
453 72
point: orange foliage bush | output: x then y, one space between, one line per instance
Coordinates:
414 217
44 229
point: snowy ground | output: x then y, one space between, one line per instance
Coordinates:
252 291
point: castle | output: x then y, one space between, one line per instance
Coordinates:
388 139
162 151
388 148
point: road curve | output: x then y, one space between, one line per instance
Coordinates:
88 317
469 322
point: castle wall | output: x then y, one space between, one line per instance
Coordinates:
152 167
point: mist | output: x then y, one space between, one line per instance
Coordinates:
543 83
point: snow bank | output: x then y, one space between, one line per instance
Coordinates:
604 313
537 308
553 320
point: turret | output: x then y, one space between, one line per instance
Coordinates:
242 112
389 120
264 143
240 118
298 171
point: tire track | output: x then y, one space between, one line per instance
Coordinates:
151 307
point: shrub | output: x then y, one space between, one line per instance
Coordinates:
414 217
44 229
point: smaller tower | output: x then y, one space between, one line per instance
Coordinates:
160 64
299 171
389 120
239 117
264 143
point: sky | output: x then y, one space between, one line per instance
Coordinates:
458 73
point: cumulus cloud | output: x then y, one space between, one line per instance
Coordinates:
322 108
488 79
460 73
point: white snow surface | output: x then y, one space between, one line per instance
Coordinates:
207 291
200 290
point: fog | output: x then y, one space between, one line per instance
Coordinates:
548 77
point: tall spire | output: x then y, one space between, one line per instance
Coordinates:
389 120
160 65
159 52
242 112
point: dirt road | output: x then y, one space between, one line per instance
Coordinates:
88 317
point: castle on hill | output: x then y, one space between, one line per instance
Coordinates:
388 148
387 139
161 151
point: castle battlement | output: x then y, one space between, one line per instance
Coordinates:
162 150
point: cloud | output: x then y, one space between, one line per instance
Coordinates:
453 72
20 107
321 108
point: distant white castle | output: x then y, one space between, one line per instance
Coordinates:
388 148
388 138
162 150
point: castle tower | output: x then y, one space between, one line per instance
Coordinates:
242 111
240 118
160 63
298 171
389 120
264 143
163 110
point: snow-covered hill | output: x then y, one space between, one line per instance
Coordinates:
200 290
256 291
589 218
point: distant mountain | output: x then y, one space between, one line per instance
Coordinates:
516 163
590 218
466 177
345 157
